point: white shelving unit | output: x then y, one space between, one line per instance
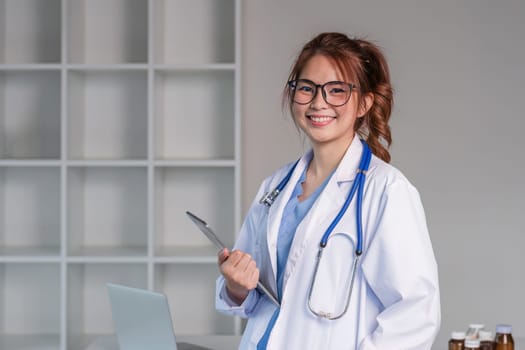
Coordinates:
116 116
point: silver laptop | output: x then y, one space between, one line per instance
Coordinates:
142 320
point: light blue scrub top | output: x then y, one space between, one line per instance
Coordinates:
293 214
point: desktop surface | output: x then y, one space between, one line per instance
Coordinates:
215 342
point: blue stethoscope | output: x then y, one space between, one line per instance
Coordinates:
269 198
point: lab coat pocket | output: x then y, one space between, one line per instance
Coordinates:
332 279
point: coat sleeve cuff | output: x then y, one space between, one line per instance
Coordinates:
224 304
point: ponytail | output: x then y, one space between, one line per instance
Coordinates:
374 125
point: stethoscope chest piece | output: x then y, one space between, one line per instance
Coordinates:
349 286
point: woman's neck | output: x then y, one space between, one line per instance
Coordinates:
326 157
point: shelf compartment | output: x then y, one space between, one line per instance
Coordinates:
30 115
194 108
183 284
187 254
30 304
107 211
31 342
107 31
30 31
88 308
107 113
206 192
195 31
29 211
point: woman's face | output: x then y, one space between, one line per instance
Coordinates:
321 122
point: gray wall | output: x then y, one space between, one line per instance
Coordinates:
457 69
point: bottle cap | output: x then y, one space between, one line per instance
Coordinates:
458 335
485 335
504 328
476 325
472 343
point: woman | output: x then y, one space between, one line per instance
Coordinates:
339 94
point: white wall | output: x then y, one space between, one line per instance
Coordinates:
457 69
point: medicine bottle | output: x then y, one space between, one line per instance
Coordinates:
486 341
504 340
473 330
471 344
457 341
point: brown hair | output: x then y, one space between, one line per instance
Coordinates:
363 61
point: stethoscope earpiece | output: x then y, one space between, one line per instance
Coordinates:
269 197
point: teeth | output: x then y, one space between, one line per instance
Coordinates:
320 119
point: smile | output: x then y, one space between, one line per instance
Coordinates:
320 119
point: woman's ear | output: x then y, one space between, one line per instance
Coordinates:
367 100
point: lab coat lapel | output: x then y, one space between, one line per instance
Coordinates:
276 210
326 207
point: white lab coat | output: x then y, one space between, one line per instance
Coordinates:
395 300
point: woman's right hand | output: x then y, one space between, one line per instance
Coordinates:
240 272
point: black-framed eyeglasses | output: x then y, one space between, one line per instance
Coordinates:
335 93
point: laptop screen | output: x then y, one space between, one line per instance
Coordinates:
142 319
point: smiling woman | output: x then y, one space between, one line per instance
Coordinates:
362 65
328 118
376 286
